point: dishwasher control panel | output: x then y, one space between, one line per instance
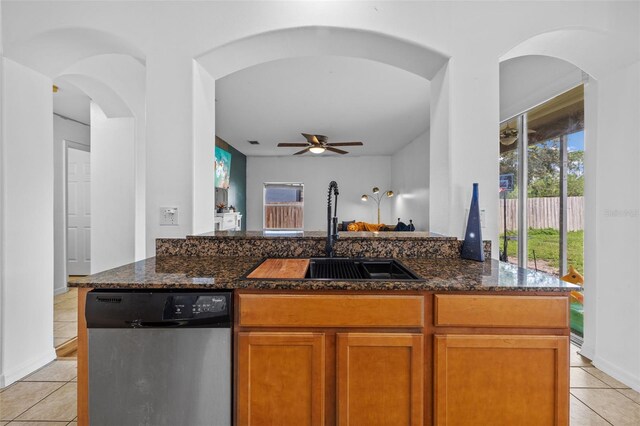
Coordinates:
181 307
106 308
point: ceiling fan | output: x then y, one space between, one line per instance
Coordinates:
317 144
509 135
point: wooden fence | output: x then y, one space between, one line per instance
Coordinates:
286 216
544 213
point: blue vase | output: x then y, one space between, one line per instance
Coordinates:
472 247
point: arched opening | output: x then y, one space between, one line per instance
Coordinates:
53 51
99 209
252 58
99 106
322 41
544 171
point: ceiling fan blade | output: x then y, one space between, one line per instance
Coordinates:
293 145
303 151
345 144
339 151
311 138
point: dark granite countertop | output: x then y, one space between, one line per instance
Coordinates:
192 272
322 235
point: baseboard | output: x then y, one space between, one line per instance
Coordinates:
587 350
59 291
27 367
618 374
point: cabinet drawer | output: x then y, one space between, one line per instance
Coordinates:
274 310
501 311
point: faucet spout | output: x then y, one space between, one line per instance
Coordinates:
332 222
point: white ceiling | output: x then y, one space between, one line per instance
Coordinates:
71 102
346 99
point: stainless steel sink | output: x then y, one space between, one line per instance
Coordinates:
336 268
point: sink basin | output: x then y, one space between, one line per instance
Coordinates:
358 269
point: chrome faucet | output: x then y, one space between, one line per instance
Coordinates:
332 222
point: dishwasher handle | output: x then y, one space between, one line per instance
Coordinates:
155 324
175 324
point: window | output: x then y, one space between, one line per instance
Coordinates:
283 206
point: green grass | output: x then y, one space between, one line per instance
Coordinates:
546 242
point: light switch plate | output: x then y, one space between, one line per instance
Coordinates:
169 216
483 223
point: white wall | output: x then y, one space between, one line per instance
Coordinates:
612 293
75 132
27 250
170 149
2 192
204 127
355 176
410 182
439 155
112 190
528 81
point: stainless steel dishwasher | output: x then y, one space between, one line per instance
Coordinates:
159 357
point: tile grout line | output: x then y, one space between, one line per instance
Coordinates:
596 413
586 387
33 404
619 389
64 383
610 386
44 421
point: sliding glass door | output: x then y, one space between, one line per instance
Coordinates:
542 189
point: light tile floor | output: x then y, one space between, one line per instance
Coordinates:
597 398
65 316
48 397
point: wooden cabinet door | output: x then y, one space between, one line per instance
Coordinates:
501 380
380 379
281 378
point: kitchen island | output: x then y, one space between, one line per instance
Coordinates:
466 343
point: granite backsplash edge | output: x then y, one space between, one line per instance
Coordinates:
313 247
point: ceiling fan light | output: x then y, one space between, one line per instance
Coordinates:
317 149
364 197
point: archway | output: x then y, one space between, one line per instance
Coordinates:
111 72
288 43
51 52
322 41
611 63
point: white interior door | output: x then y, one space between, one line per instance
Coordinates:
78 212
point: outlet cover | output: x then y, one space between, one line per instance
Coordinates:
169 216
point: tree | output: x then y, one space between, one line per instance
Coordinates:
544 170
